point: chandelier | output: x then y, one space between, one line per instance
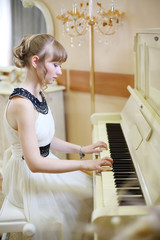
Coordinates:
89 15
76 21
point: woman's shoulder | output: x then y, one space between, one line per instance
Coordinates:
20 110
20 106
20 99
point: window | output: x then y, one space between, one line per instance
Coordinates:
17 21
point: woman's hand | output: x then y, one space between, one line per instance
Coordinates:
94 148
97 164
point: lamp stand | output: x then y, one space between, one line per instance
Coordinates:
92 74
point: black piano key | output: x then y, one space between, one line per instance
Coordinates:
120 169
133 191
138 201
118 140
124 168
121 184
128 181
117 145
115 133
121 156
119 136
118 150
125 175
123 161
117 170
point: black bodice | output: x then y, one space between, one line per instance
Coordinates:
40 106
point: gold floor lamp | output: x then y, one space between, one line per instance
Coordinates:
77 21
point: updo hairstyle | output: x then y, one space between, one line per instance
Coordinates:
42 45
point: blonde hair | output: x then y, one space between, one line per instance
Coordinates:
41 45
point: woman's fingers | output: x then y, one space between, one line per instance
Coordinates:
107 161
104 164
101 144
95 148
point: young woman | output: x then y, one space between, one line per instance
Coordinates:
55 194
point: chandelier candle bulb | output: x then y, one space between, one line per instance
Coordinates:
90 8
75 8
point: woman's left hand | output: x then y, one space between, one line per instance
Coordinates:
94 148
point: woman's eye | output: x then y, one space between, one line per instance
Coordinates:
56 64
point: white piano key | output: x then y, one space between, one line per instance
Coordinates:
98 195
108 179
109 190
102 133
108 185
102 136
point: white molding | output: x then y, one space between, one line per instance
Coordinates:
28 3
45 11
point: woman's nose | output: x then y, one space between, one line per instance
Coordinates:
59 70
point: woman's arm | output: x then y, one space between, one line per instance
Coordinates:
25 117
66 147
60 145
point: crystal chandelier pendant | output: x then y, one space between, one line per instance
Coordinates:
71 42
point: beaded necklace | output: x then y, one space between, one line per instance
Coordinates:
40 106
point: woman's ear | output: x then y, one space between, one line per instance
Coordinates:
35 60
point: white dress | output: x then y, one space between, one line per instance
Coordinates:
58 204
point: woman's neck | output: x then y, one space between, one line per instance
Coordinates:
32 84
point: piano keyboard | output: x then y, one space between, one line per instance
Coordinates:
120 185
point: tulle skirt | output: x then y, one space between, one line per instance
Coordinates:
59 205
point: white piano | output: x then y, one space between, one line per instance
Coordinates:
132 186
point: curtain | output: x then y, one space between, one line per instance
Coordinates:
5 39
25 21
15 22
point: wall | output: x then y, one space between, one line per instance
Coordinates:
116 57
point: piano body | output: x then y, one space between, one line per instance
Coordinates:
132 186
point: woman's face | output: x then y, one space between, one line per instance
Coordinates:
53 70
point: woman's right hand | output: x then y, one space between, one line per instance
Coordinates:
97 164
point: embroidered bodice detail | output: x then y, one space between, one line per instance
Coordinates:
40 106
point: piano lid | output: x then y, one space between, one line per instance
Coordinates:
147 83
